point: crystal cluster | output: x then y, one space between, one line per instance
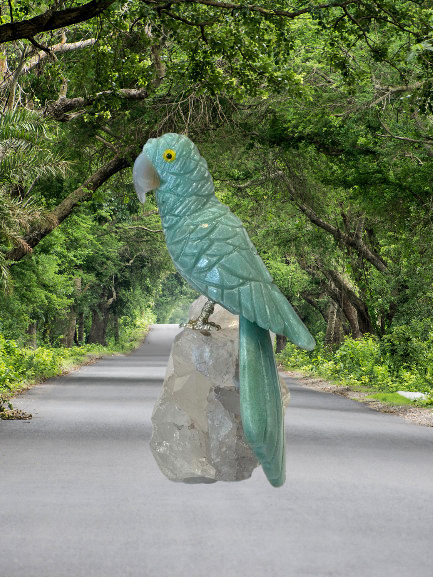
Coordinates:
197 429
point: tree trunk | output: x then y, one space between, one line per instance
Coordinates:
31 331
352 316
68 338
334 327
330 327
281 343
363 319
100 317
64 209
340 291
98 330
80 330
116 328
46 331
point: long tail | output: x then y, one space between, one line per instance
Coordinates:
262 410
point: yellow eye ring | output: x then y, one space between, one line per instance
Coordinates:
169 155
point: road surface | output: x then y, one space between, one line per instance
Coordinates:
81 496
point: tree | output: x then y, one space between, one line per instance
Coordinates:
25 156
333 100
199 47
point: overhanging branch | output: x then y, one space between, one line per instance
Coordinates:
64 209
353 241
59 109
52 20
251 7
43 54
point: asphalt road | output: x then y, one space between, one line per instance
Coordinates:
81 496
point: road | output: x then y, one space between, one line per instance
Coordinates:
81 496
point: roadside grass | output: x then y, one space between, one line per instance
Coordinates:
23 367
363 366
368 393
391 399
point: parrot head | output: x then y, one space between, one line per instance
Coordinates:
165 161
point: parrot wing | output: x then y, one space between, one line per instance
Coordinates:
213 251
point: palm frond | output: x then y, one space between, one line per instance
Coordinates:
25 151
23 125
4 274
25 156
26 165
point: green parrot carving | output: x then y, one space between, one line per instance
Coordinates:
212 251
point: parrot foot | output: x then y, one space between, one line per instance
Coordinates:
202 323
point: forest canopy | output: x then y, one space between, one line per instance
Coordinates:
316 122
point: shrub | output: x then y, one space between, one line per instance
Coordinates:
400 361
20 367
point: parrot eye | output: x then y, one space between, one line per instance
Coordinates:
169 155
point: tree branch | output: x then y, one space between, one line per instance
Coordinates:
342 284
142 253
107 143
363 317
389 91
43 54
189 22
61 47
366 38
52 20
251 7
64 209
312 302
145 228
59 109
37 45
405 138
341 293
354 241
14 81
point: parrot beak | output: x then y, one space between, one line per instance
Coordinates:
144 176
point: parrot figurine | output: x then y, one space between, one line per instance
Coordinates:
211 249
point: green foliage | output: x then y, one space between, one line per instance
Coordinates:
19 366
23 366
329 112
26 153
390 399
173 300
389 365
104 252
16 216
131 331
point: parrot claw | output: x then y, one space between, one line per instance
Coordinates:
202 323
197 325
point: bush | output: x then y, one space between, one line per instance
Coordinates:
10 356
401 361
20 366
